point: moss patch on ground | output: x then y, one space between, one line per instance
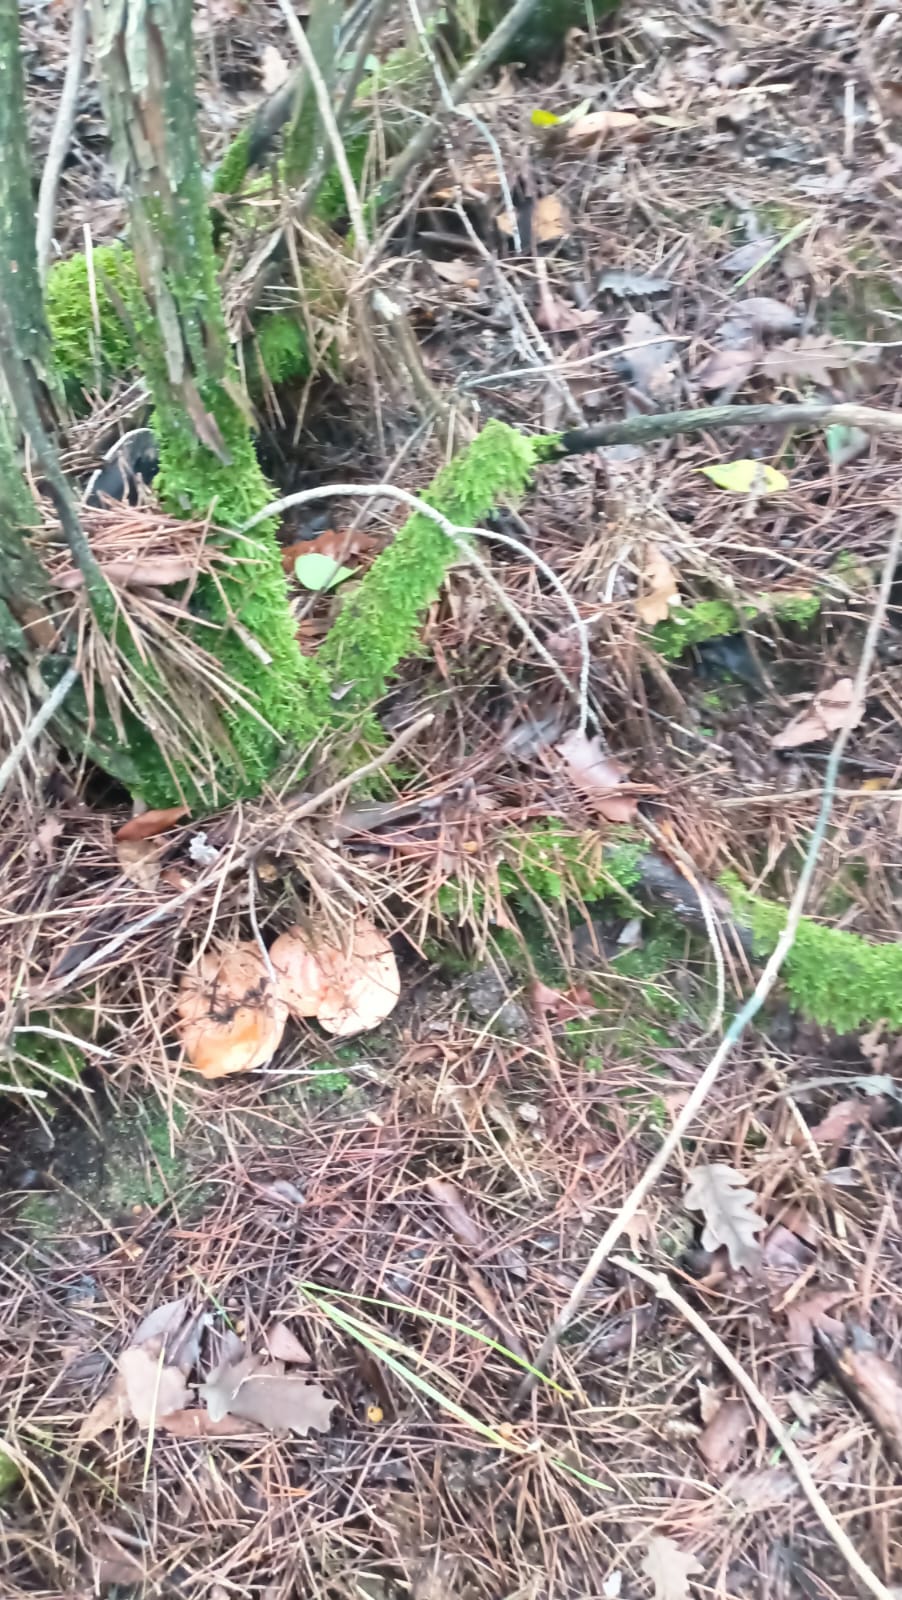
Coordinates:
716 619
834 977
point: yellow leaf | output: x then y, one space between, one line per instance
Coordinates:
741 477
544 119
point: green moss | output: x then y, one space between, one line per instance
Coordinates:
557 865
326 1083
232 169
10 1473
281 347
714 619
191 480
837 978
689 625
800 610
377 626
83 361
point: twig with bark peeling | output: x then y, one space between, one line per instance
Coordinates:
666 424
640 1191
665 1291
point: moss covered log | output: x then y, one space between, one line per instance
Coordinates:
835 978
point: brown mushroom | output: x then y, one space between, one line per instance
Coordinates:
231 1018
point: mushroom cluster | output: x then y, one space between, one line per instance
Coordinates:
232 1008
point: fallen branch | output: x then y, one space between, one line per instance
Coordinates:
664 1290
640 1191
664 425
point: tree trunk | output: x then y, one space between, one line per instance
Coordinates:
145 62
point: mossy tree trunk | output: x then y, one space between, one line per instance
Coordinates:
145 61
32 645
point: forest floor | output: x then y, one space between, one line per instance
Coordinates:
413 1206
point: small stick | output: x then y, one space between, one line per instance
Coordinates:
36 726
644 430
752 1006
665 1290
304 808
61 137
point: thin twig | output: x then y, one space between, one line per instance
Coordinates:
744 1016
458 537
61 136
36 726
345 106
304 808
644 430
664 1290
324 106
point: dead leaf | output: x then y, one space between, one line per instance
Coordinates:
152 1372
339 544
563 1006
156 572
274 69
598 776
813 358
230 1017
718 1192
720 1441
152 1388
878 1386
456 1214
139 861
727 369
803 1316
832 709
150 823
762 314
464 274
659 588
107 1412
110 1564
557 316
261 1392
283 1345
45 837
746 257
670 1568
651 357
598 125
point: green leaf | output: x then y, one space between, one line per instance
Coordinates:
318 572
741 477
